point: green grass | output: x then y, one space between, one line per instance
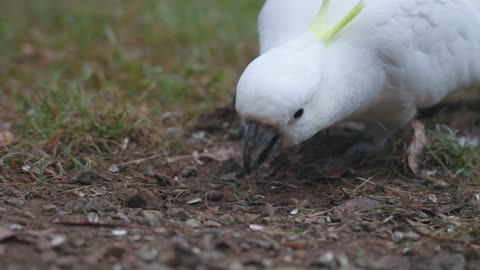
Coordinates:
77 75
448 152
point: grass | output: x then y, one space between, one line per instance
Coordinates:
77 77
449 151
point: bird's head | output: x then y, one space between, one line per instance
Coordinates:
281 95
276 97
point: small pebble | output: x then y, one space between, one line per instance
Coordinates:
172 131
152 217
125 143
15 227
421 214
342 260
263 244
407 250
93 217
332 236
256 227
412 236
326 259
192 223
288 258
294 212
119 232
335 218
398 236
476 199
57 240
26 168
147 254
267 263
49 207
450 229
195 201
114 169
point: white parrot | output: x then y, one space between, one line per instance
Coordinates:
374 61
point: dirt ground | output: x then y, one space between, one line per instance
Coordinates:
149 210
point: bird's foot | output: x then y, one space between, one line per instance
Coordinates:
354 155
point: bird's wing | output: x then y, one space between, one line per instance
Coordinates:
430 47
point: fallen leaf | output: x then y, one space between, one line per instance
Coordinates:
6 138
417 148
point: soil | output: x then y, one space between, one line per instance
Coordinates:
202 211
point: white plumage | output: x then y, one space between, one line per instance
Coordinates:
394 57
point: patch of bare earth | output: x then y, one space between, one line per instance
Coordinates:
149 210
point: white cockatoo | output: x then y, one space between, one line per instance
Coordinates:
375 61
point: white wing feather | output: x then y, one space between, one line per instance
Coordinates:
428 48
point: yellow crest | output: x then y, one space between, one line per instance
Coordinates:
325 33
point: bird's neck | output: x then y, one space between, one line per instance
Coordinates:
350 83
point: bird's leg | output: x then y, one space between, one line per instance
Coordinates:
375 143
378 136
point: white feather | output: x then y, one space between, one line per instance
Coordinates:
395 57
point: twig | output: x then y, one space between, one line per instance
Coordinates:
362 184
138 161
389 188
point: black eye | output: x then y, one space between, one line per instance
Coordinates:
298 114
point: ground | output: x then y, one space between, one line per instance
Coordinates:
120 149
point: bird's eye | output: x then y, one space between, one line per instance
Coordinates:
298 114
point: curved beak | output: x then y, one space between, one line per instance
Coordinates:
261 143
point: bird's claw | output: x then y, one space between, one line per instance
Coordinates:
353 156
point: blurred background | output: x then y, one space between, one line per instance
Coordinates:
101 67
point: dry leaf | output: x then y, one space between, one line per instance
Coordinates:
416 149
6 138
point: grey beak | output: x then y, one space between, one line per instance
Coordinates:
260 144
